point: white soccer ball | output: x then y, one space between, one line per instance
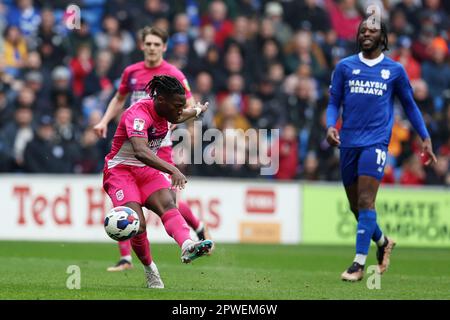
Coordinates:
121 223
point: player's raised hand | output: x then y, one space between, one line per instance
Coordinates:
427 154
178 180
203 107
101 129
333 137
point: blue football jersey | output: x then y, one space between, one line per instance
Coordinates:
366 91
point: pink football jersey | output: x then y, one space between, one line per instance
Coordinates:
140 120
136 76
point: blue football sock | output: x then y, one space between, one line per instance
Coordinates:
377 233
366 226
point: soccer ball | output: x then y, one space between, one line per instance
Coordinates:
121 223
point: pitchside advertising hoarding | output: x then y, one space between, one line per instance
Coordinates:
412 216
72 208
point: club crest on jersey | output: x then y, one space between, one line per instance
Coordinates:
133 80
138 124
385 74
119 195
356 71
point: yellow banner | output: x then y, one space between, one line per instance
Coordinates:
412 216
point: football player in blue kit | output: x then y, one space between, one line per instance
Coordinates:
365 85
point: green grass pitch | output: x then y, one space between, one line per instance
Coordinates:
37 270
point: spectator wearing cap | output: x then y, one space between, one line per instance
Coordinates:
61 93
43 154
437 71
14 137
275 12
404 56
34 80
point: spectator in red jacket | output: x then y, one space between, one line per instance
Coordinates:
217 17
288 146
81 66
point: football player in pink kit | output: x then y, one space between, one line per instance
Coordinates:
134 79
134 176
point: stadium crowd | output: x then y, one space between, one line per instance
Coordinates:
260 64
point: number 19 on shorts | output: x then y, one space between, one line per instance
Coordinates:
381 157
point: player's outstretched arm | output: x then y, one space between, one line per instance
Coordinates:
143 153
115 105
194 112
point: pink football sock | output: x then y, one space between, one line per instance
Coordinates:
141 247
176 226
125 248
188 215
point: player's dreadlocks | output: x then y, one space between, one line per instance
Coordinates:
164 85
384 35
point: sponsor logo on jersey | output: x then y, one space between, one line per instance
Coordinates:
138 95
367 87
154 144
356 71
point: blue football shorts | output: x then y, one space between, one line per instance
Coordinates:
362 161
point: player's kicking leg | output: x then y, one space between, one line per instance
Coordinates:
196 224
162 202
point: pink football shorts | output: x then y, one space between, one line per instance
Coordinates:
124 183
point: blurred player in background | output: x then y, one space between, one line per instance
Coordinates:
366 84
134 176
134 79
